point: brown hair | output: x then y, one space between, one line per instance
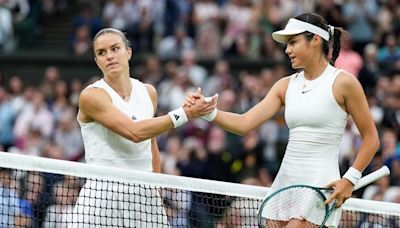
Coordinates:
319 21
114 31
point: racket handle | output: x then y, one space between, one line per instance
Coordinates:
384 171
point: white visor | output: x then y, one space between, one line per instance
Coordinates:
295 27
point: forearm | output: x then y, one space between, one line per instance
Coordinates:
155 156
149 128
366 153
231 122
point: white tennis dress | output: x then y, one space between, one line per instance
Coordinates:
104 204
316 124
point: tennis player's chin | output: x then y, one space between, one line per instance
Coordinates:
295 66
113 69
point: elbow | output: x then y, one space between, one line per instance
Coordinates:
377 143
241 132
137 138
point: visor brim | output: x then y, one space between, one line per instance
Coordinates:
282 35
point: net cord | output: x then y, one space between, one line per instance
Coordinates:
47 165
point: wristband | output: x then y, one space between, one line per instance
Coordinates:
353 175
210 116
178 117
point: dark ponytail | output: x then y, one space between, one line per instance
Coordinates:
336 44
319 21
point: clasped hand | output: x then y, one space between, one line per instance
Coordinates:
196 105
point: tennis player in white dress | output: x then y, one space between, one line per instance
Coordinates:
318 101
116 115
119 204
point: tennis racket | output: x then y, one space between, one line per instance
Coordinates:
298 201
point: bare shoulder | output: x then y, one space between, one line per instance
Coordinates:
92 100
278 90
151 90
284 81
346 88
346 80
153 94
282 84
93 94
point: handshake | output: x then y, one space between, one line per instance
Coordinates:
195 105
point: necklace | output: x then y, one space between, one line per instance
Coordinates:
123 96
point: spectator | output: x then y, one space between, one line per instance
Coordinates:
388 19
152 71
6 28
57 213
360 19
173 46
270 50
60 103
35 117
349 60
206 19
291 8
264 19
10 201
67 136
88 18
15 87
174 88
208 42
7 117
237 16
81 43
379 187
389 53
368 74
197 74
121 14
143 31
221 80
75 89
47 86
331 11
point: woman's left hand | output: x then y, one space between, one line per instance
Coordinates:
342 190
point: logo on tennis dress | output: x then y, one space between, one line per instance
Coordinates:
176 116
133 117
303 92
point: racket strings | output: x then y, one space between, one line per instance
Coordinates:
299 203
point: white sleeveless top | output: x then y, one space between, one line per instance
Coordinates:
104 147
316 124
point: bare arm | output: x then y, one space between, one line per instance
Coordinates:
356 105
241 124
154 147
351 97
155 156
95 105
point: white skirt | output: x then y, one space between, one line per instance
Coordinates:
112 204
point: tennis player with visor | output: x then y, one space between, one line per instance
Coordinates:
318 101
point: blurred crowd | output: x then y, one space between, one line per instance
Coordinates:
40 119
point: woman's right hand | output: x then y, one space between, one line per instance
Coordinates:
196 105
190 98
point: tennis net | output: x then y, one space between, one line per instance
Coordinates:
42 192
